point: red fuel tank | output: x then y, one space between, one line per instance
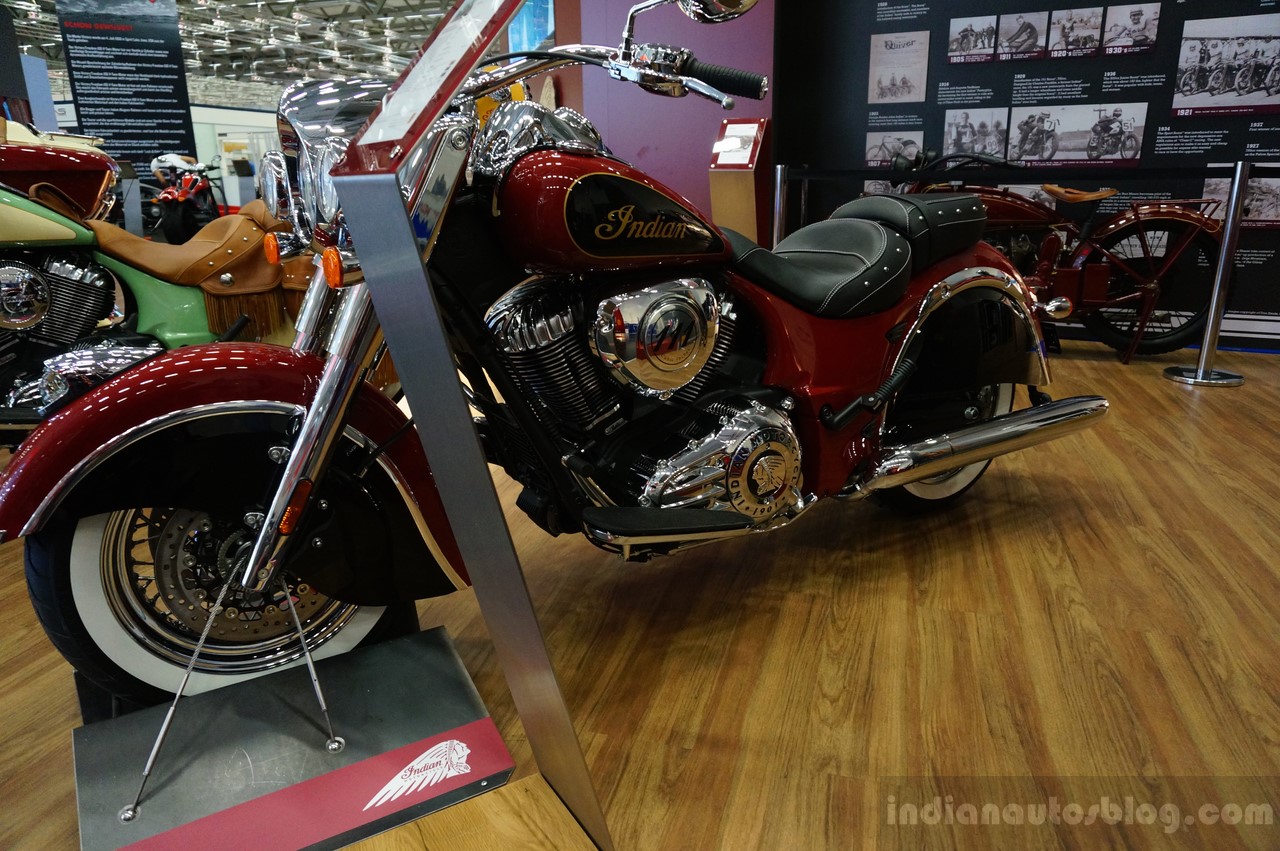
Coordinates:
565 212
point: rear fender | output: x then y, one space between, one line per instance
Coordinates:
976 328
85 459
1146 213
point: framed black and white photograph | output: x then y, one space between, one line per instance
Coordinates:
1023 36
1131 28
883 146
971 39
1075 32
1229 66
899 67
980 130
1103 134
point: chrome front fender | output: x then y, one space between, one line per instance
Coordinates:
63 454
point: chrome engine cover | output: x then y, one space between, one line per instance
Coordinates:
750 465
24 296
656 340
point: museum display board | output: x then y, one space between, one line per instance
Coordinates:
128 80
1144 95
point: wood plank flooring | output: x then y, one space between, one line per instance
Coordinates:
1097 624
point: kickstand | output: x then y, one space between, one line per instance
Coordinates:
334 744
130 811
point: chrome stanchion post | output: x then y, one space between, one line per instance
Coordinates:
779 203
1203 372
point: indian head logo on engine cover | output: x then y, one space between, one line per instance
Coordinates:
442 761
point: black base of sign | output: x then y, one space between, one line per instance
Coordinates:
246 765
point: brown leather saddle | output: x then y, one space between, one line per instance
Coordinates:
225 257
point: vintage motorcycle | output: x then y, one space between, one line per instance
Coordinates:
1139 280
82 299
1037 139
1104 141
652 381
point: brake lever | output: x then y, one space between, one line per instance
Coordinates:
671 85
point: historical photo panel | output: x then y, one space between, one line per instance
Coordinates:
899 67
981 130
1229 65
972 40
1103 134
1131 28
883 146
1075 32
1023 35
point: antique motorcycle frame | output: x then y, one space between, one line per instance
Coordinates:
318 437
1075 264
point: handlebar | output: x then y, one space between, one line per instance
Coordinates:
923 162
656 68
731 81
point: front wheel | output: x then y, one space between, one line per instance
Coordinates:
940 491
1129 146
1182 293
1050 146
125 596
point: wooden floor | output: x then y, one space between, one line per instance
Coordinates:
1096 625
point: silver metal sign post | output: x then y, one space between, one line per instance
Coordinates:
1203 372
416 338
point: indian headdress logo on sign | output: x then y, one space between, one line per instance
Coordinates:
442 761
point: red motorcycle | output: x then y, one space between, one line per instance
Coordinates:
653 382
189 199
1139 280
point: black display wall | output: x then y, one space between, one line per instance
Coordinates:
859 80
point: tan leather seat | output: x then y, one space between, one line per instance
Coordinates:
230 245
1076 196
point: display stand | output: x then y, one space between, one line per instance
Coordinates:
246 766
396 183
739 175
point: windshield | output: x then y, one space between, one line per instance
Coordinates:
426 88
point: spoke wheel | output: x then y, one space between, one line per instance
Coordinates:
1182 305
161 572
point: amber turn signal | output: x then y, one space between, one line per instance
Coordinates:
293 512
331 263
271 247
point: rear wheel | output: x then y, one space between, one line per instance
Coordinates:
959 410
1183 293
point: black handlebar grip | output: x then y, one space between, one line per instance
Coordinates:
731 81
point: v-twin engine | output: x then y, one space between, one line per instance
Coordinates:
630 378
748 463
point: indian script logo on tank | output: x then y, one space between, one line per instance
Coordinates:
623 222
612 216
440 762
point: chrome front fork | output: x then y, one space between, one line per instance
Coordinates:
356 336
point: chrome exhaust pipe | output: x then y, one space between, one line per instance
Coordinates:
902 465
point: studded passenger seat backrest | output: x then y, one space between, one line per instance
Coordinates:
937 224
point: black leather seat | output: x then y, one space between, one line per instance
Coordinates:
937 224
837 268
